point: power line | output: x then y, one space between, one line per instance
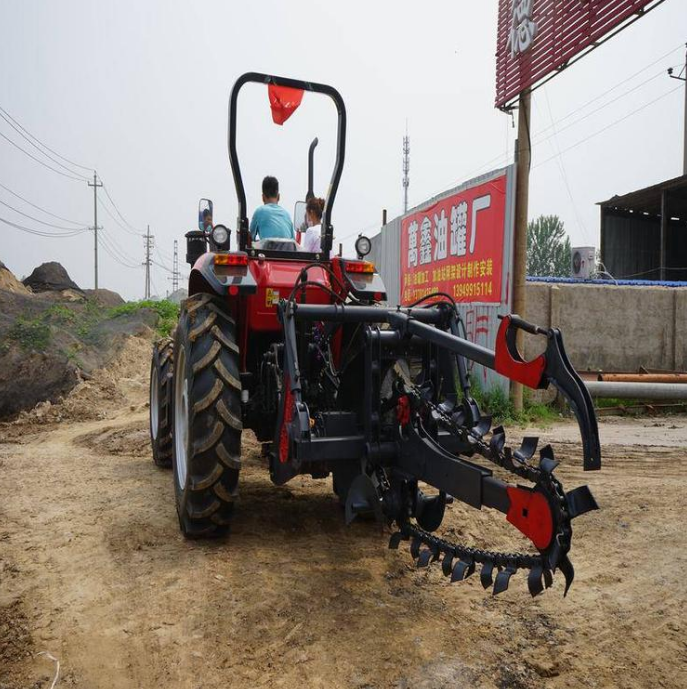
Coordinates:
537 138
589 114
117 247
503 158
162 264
42 222
615 86
41 233
35 138
59 217
561 166
40 150
124 220
117 222
164 254
111 249
40 162
612 124
157 293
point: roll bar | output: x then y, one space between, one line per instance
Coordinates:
256 77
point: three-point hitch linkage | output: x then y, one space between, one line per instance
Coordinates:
413 419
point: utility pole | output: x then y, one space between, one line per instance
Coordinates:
683 77
175 269
95 186
524 156
149 243
406 168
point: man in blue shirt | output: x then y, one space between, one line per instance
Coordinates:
271 221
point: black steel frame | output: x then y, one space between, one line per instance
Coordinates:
257 77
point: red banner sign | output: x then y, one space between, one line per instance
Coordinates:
456 246
536 37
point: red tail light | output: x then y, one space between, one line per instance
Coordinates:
231 259
359 267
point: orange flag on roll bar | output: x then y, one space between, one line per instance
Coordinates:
283 100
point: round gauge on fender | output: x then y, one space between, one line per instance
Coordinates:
363 245
220 235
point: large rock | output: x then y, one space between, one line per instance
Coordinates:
49 277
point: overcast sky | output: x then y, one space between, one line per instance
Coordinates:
139 90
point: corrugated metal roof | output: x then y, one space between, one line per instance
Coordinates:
648 200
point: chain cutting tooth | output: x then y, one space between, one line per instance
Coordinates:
395 540
548 578
415 548
547 461
527 449
458 418
568 572
534 581
498 440
462 570
447 406
426 556
447 564
580 501
502 579
486 576
483 425
554 555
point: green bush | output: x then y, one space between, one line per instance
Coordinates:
30 334
499 405
167 311
60 314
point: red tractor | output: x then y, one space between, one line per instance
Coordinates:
299 348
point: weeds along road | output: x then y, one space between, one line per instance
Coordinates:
93 570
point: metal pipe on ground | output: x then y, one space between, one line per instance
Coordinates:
643 377
647 391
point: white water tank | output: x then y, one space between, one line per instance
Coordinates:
583 262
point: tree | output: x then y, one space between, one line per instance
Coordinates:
548 247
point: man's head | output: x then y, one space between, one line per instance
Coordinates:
270 190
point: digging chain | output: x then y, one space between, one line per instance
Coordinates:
459 560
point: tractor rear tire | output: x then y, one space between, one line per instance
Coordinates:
161 382
207 417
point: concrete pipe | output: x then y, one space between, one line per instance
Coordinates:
646 391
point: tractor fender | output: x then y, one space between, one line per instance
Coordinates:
220 280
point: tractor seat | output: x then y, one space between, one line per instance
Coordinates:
277 245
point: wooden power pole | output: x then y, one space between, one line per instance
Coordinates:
524 156
95 186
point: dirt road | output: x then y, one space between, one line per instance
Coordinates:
93 570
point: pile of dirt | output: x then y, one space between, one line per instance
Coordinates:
104 297
107 391
54 340
10 283
49 277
